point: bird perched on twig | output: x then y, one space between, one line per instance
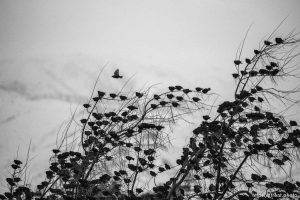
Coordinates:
116 74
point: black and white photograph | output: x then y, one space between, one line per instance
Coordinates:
149 99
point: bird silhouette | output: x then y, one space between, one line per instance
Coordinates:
235 75
167 166
196 99
123 98
116 74
256 51
139 95
237 62
138 190
269 67
179 98
112 95
267 43
278 40
152 173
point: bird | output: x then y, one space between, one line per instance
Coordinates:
139 190
267 43
256 51
235 75
278 40
171 88
152 173
139 95
116 74
196 99
237 62
112 95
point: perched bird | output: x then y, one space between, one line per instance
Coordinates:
256 51
278 162
207 175
132 107
156 97
269 67
139 95
186 91
178 87
273 64
129 158
86 105
171 88
198 89
138 190
235 75
123 98
237 62
116 74
255 177
175 104
179 98
205 90
278 40
248 61
253 73
167 166
260 99
112 95
153 106
170 96
243 72
267 43
293 123
161 169
206 117
152 173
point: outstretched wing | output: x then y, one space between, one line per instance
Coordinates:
116 73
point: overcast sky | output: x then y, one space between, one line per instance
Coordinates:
137 28
190 42
166 35
47 27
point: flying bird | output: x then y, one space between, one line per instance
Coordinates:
116 74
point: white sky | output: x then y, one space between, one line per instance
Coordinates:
137 28
167 36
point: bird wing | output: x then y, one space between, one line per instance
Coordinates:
116 72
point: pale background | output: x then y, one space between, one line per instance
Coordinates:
52 51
